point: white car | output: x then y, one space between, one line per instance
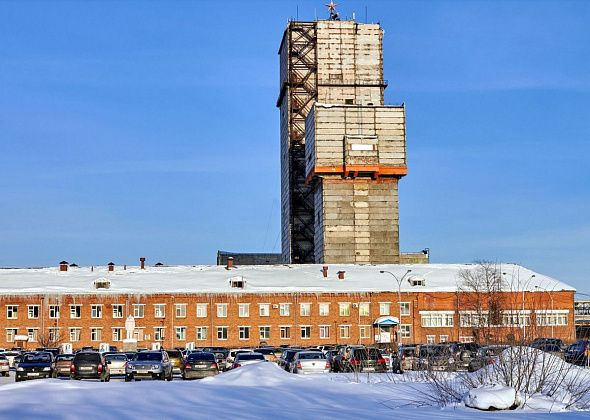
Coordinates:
10 355
4 367
248 358
229 361
310 362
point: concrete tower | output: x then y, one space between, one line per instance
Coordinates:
342 150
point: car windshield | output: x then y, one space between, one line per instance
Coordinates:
37 358
314 355
201 356
120 357
87 357
148 356
65 357
243 357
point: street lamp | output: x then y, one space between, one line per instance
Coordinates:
552 312
399 299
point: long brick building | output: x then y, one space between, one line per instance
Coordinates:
281 304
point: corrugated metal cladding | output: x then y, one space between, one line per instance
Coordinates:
339 170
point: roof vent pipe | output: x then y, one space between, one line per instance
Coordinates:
63 266
111 266
142 263
341 275
230 263
325 271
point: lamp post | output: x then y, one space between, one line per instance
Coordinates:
399 299
552 309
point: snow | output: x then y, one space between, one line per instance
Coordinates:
259 279
490 397
256 391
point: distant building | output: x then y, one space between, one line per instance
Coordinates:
582 318
251 258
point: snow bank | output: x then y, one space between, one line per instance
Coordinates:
492 397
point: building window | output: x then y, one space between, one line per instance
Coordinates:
138 333
513 318
11 311
284 309
305 332
364 309
138 310
344 309
466 339
430 339
33 311
474 319
365 331
117 311
305 309
443 338
244 333
54 311
96 334
33 334
244 310
159 333
75 311
222 333
10 333
96 311
180 310
75 334
324 309
285 332
201 333
406 330
551 318
201 310
324 331
344 331
264 332
117 333
160 310
437 318
181 333
404 308
54 335
222 310
384 308
264 309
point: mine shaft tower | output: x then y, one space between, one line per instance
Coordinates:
342 150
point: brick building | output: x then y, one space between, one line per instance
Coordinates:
281 304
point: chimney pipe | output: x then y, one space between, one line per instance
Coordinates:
341 275
230 263
142 263
63 266
325 270
111 266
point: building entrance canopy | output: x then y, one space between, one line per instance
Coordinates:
385 321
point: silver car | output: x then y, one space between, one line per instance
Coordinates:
248 358
149 365
117 363
310 362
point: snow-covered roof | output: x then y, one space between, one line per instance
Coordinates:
259 279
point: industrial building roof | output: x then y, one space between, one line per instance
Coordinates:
260 279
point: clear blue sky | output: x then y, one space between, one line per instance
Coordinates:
148 128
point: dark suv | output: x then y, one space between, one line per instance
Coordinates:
35 365
578 353
360 359
90 365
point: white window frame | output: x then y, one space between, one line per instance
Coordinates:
437 319
221 310
180 311
202 333
344 328
405 308
364 332
220 329
202 310
384 308
34 337
405 330
159 333
307 329
75 311
95 334
364 309
283 329
180 333
75 334
443 338
324 308
11 312
266 330
305 309
96 311
430 339
138 310
35 308
117 333
264 309
116 313
10 334
284 309
243 332
159 311
344 308
54 311
324 332
243 310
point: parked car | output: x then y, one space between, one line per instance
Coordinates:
548 344
220 354
463 353
310 362
34 365
436 357
11 355
153 364
117 363
578 353
408 357
4 365
361 359
89 365
287 357
231 356
62 365
484 356
177 360
200 365
249 358
269 353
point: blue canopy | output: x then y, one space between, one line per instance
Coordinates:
384 321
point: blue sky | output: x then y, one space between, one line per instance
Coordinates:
149 128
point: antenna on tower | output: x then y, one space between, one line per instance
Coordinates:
332 9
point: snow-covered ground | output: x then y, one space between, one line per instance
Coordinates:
255 391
